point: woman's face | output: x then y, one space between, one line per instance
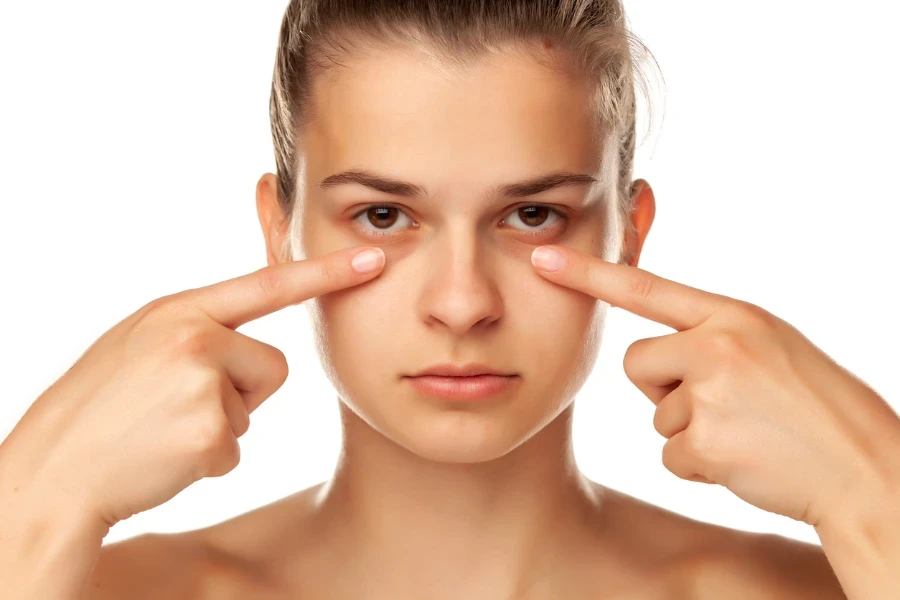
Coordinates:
458 285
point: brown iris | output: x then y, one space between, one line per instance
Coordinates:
382 216
534 215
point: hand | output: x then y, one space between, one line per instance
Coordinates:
743 398
159 400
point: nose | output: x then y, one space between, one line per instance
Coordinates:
459 293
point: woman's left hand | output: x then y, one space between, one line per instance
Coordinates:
746 400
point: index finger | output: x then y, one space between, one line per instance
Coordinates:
638 291
248 297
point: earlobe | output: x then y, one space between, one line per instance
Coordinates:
272 219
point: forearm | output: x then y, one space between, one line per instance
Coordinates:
47 549
862 544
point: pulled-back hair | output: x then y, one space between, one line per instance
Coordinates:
318 35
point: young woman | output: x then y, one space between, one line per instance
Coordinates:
454 204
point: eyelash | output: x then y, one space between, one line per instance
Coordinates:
533 232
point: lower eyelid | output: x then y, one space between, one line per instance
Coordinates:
538 232
383 232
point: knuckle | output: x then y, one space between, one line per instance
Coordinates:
206 385
243 424
238 416
755 315
673 458
154 306
708 393
697 440
232 455
726 344
189 339
153 311
211 437
670 458
225 459
163 321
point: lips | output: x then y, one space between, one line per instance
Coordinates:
462 370
466 382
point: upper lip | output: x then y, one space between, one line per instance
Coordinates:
461 370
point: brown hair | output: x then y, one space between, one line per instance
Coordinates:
317 35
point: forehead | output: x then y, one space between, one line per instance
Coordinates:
403 112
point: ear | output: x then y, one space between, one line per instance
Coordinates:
274 222
642 218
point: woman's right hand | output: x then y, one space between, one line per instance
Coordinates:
159 401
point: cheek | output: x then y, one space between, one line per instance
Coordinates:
359 328
555 322
561 330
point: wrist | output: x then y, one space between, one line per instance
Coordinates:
48 544
48 524
872 505
861 539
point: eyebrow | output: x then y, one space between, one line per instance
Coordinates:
396 187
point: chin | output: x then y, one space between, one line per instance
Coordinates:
461 435
457 449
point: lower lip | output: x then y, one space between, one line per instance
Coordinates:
476 387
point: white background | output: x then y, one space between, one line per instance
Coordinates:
132 136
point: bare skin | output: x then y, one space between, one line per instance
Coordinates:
285 550
430 499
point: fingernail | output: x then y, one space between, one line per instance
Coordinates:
547 259
368 260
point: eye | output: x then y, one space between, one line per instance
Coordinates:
532 217
386 219
380 219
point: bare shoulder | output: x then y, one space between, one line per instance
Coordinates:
146 566
171 566
763 566
221 561
706 561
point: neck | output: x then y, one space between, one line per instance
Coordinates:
425 525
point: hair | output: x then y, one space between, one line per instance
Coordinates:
317 36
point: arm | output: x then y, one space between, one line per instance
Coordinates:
862 542
45 553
